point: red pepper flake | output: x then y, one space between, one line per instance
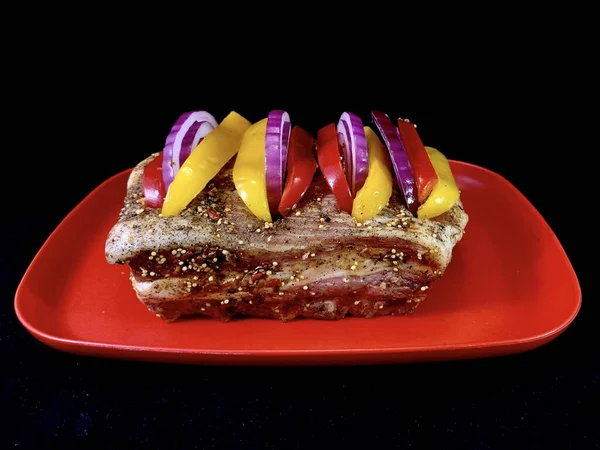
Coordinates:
214 215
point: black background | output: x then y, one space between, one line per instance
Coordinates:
81 116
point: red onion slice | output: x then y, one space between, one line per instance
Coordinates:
192 138
185 135
351 134
277 141
402 168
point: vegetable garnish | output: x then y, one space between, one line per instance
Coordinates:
185 135
301 167
328 155
204 163
377 190
445 192
249 171
352 140
400 162
153 184
276 144
423 171
276 165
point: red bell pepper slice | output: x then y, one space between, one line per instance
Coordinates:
301 167
423 171
153 183
328 155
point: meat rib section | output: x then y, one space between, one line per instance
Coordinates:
218 260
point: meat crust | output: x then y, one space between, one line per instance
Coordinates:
218 260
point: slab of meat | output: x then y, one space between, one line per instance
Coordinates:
217 259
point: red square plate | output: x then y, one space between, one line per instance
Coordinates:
509 288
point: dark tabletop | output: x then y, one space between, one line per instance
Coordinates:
101 121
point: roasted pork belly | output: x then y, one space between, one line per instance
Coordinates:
217 259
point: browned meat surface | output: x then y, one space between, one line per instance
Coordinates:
217 259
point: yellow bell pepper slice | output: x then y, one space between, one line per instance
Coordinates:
249 172
377 190
445 192
204 163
